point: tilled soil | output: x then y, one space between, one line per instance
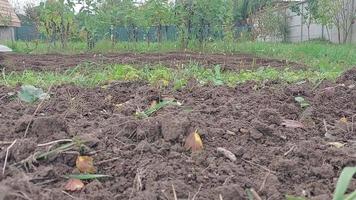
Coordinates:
58 62
146 159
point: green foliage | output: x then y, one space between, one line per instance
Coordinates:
93 75
302 102
87 176
57 20
290 197
217 79
270 24
343 183
153 109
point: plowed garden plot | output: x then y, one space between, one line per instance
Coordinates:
56 62
146 158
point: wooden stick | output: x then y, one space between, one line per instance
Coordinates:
34 113
7 155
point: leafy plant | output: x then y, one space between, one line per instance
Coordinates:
343 183
302 102
30 94
86 176
151 110
218 79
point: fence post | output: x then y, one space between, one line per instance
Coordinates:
301 23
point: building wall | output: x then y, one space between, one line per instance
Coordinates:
7 33
298 31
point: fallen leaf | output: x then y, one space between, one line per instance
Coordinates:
343 120
85 164
336 144
292 124
193 142
244 131
74 185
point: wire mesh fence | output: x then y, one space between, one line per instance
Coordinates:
134 34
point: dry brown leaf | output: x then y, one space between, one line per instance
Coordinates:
85 164
292 124
74 185
343 120
193 142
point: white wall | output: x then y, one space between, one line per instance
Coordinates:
299 32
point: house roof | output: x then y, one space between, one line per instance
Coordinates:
7 15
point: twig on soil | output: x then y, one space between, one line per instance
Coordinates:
71 196
352 123
260 166
34 113
7 155
108 160
5 143
165 195
54 142
21 195
36 156
325 126
264 182
227 179
318 84
4 76
255 195
196 194
174 193
290 150
220 197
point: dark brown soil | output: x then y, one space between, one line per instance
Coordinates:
272 159
57 62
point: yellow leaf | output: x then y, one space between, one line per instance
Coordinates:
336 144
85 164
193 142
74 185
343 120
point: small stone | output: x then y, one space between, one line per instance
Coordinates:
244 131
230 132
352 86
255 134
228 154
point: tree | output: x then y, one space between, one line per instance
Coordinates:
157 13
338 13
270 24
308 11
89 21
57 20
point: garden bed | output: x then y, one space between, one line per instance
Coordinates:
58 62
146 158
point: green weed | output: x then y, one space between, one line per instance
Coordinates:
93 75
321 56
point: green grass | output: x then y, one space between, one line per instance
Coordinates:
90 75
318 55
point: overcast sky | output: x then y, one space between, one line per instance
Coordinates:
19 4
